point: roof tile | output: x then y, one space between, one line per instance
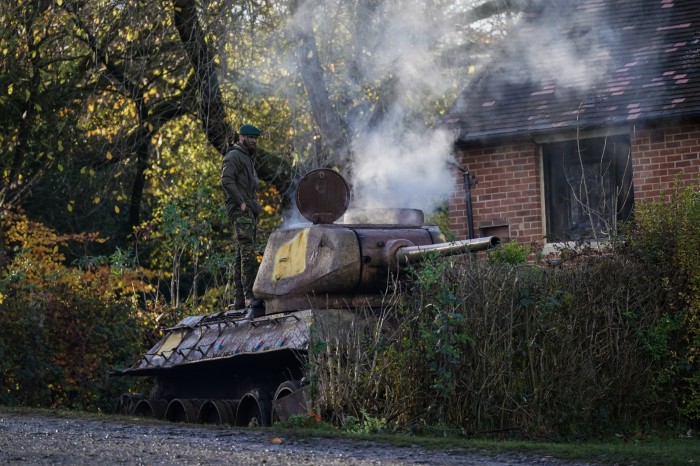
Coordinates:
587 63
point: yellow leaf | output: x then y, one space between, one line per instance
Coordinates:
60 146
70 207
96 200
59 2
109 155
92 172
60 167
10 89
117 209
82 170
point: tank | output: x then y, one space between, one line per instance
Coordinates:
248 367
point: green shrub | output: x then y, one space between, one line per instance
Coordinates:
666 239
607 339
62 329
509 253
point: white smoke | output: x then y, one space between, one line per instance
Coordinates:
402 161
566 47
394 168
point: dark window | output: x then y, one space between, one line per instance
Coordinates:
588 187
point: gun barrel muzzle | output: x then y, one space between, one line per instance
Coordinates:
413 254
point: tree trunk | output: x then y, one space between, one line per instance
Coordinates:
272 168
211 109
142 164
330 123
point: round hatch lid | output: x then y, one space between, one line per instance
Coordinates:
323 196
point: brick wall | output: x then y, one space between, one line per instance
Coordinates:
661 157
507 197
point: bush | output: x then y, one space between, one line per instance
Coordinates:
509 253
666 240
609 340
481 347
62 329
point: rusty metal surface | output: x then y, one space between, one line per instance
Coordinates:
318 260
224 335
341 266
294 403
415 254
378 246
399 217
322 196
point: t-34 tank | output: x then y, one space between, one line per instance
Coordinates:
247 367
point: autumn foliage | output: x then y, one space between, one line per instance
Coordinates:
62 327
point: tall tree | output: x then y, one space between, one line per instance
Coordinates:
211 108
139 68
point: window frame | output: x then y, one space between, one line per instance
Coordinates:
616 167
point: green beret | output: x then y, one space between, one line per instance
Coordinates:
249 130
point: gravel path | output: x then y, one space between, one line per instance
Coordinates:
65 439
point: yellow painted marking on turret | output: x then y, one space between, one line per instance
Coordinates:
290 259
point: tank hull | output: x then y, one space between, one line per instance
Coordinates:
229 356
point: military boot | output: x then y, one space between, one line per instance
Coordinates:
238 303
252 301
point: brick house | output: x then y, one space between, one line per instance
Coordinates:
587 108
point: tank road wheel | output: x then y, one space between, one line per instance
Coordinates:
254 409
281 410
183 410
217 412
151 408
127 402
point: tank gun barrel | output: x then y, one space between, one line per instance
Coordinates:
414 254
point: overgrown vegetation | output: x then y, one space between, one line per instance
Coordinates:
62 329
604 342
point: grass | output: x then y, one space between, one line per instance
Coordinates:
668 449
650 451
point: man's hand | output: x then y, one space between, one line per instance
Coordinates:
243 206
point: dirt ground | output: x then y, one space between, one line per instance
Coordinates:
66 439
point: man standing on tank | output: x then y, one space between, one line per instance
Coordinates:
240 183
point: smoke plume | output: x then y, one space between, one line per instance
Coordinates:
398 158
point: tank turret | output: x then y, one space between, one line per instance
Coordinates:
344 258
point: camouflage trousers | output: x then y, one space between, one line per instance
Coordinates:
245 262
